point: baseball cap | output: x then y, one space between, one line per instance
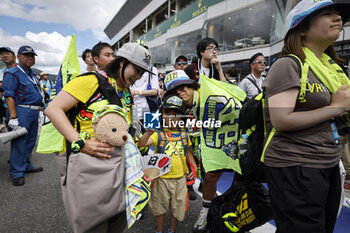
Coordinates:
307 8
174 102
26 49
136 54
177 78
6 49
43 73
180 57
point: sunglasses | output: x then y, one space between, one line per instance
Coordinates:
180 88
181 63
260 62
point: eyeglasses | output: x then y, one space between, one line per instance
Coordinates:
260 62
181 63
211 49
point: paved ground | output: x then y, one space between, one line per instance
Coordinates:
37 206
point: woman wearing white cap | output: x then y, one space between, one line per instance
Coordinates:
131 62
302 158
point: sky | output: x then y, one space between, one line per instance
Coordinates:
47 26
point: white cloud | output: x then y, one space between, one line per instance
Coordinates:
49 47
83 15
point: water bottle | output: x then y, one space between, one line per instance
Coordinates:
244 145
134 114
134 124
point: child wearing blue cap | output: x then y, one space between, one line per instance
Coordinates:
169 191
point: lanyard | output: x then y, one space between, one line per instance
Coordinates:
121 94
255 82
201 72
35 82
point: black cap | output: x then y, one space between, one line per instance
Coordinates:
6 49
174 102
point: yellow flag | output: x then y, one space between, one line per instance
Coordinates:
50 140
220 103
69 69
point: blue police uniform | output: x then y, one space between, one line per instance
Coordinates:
4 70
23 86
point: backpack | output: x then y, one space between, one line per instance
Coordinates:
245 206
162 139
161 147
252 123
104 88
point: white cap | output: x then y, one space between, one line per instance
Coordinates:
180 56
136 54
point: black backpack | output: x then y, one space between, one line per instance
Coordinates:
245 206
252 123
106 89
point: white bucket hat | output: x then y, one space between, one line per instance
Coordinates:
305 8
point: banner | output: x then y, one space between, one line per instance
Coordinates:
191 11
219 101
69 69
50 140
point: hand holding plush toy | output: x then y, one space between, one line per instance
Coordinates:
111 125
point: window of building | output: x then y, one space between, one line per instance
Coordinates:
185 45
160 56
252 26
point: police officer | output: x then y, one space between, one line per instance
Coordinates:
24 98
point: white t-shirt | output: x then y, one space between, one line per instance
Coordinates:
206 71
249 88
140 102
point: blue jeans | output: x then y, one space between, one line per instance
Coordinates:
22 147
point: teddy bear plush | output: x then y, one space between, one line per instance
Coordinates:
110 125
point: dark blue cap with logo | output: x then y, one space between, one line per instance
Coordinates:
26 49
6 49
173 102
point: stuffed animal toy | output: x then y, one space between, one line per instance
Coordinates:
111 125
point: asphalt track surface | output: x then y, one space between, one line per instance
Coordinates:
37 206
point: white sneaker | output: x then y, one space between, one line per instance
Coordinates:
201 224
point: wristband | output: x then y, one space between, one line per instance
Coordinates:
77 145
13 117
140 92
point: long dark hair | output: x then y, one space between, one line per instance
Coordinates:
112 68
